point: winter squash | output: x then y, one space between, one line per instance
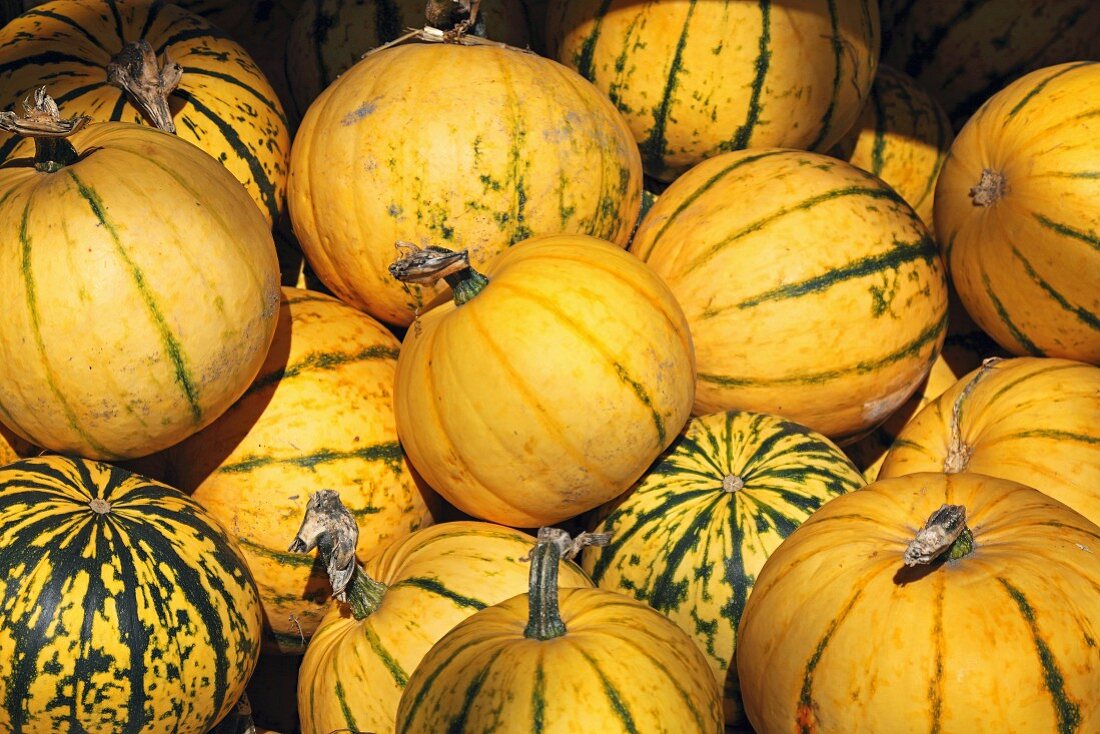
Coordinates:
329 36
223 103
706 516
546 388
1032 420
812 289
398 605
514 145
117 585
964 52
902 136
695 79
111 229
1016 214
318 414
562 660
983 620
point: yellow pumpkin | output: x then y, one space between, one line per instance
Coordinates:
503 146
1032 420
984 620
318 414
1016 214
546 389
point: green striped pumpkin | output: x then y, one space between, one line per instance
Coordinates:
691 536
696 78
126 608
965 51
813 291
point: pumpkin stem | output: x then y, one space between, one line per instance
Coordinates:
134 70
544 617
42 121
732 483
944 534
990 188
455 18
426 266
959 453
331 529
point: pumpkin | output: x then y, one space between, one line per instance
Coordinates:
406 596
964 52
562 660
329 36
547 388
1016 214
695 79
318 414
985 619
902 136
111 228
706 516
116 586
504 146
13 448
812 289
223 104
1031 420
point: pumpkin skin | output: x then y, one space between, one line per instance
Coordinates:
1025 259
839 636
318 414
224 105
354 671
182 286
902 136
964 52
152 591
1031 420
771 309
565 162
695 79
505 405
705 518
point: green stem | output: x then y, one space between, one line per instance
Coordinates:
53 154
42 122
944 535
544 620
426 266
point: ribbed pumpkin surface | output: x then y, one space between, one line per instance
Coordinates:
224 105
513 146
902 136
965 51
813 290
143 291
318 414
695 78
839 636
126 608
354 671
1016 214
1032 420
706 517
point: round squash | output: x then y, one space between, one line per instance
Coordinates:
1016 214
812 289
695 79
1031 420
705 518
398 605
223 104
503 146
318 414
902 136
566 660
993 629
964 52
144 289
128 609
546 389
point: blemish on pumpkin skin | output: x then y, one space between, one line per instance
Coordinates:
360 112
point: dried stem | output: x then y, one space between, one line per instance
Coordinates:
544 620
990 188
945 533
958 452
42 121
134 70
426 266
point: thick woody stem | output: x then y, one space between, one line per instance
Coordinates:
944 534
428 265
331 529
42 121
544 620
134 70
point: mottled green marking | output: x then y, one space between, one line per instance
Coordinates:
655 146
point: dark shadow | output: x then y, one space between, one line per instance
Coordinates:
911 574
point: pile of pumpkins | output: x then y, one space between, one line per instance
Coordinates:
523 366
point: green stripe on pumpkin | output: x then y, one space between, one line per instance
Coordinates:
435 586
1040 87
423 694
806 718
618 705
321 362
743 136
1021 338
1067 231
655 146
389 452
837 44
1082 314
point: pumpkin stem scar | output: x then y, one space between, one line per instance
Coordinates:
732 483
944 534
990 187
134 70
42 121
959 453
544 620
100 506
